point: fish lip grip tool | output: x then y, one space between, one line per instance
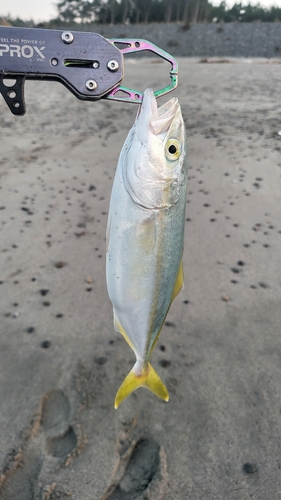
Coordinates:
133 45
89 65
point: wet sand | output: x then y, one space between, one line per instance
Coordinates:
219 353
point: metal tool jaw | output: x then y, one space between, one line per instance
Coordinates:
89 65
132 45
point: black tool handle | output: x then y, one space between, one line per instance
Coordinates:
89 65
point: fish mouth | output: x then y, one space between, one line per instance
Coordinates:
159 120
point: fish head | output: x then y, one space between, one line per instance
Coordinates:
153 158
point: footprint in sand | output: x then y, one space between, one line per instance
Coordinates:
60 436
50 433
145 475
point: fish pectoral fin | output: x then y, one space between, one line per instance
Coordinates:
178 283
148 378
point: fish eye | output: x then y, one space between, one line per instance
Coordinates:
173 149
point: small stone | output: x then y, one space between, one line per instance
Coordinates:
30 329
225 298
249 468
170 324
263 285
164 363
45 344
60 264
101 360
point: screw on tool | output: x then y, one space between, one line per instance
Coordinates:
67 37
91 85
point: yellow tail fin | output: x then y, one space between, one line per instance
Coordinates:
148 378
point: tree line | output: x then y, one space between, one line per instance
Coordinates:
161 11
154 11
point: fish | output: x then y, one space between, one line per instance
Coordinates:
145 234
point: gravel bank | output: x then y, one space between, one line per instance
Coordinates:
204 40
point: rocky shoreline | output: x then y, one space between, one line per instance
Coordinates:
203 40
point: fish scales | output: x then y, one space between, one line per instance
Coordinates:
145 234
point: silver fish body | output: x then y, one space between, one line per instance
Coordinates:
145 234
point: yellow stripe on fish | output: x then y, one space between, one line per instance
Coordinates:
145 234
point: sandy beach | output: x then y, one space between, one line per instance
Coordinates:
219 352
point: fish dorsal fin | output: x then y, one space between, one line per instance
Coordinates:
178 283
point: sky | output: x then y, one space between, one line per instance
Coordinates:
43 10
38 10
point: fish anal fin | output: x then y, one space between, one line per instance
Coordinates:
148 378
178 283
119 328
